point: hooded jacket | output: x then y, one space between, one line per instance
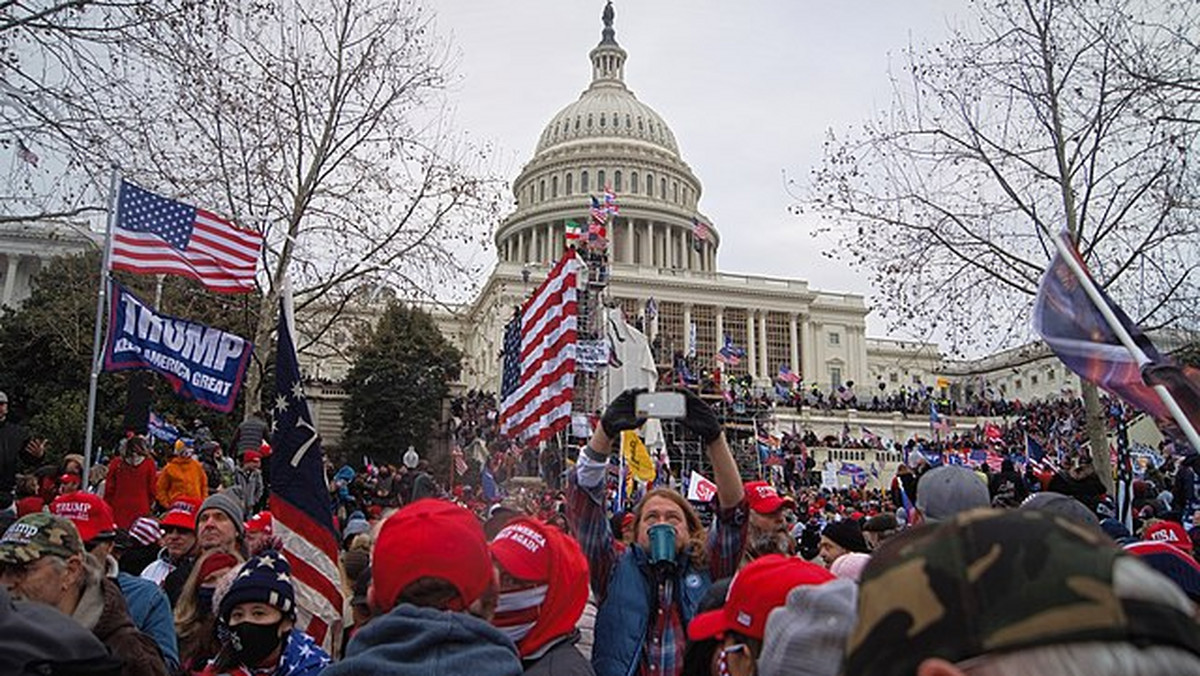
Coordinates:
130 489
101 609
412 641
182 477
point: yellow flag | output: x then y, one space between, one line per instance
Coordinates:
637 458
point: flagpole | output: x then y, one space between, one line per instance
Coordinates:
114 189
1085 282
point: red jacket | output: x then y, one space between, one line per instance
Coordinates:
129 490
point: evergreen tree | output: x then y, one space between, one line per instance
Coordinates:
400 378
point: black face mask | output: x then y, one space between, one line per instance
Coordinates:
252 643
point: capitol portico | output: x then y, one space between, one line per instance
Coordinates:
609 138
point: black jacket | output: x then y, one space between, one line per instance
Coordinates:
13 439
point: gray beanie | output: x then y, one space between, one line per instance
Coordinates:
806 637
229 504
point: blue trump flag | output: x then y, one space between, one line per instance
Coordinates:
202 363
300 495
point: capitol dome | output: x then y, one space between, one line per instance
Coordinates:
607 138
607 110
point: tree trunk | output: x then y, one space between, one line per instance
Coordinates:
1097 432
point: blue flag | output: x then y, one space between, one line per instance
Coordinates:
300 495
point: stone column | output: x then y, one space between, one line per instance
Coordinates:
763 354
521 247
751 348
652 259
10 278
687 329
793 343
808 349
719 313
629 241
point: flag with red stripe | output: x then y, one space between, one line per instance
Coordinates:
155 235
538 381
300 496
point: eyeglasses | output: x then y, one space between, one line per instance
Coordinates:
736 648
176 530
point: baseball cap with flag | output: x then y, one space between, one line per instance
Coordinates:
36 535
760 587
764 499
92 516
182 514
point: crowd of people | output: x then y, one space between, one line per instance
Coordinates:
167 561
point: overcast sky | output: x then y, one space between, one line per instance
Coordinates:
749 88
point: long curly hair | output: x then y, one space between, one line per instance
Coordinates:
697 543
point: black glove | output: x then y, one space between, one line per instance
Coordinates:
700 418
621 415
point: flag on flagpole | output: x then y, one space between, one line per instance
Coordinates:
787 375
700 233
637 457
155 235
538 380
299 497
700 489
610 202
730 354
574 231
460 461
1090 343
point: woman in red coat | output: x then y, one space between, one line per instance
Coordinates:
129 487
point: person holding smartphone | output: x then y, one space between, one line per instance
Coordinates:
649 591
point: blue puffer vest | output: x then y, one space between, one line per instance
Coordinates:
624 618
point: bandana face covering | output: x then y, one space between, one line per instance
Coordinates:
518 610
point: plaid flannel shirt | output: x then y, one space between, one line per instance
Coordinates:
667 637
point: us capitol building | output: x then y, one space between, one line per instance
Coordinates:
608 137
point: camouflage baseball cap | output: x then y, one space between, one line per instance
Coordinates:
36 535
990 581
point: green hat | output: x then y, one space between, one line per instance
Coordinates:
36 535
989 581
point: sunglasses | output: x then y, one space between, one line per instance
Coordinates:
176 530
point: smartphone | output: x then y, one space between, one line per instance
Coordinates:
660 405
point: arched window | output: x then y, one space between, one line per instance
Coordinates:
662 188
675 189
600 184
633 183
570 183
602 116
649 185
583 181
641 126
628 122
576 123
542 191
554 187
617 187
589 124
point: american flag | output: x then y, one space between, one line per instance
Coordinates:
699 229
460 461
155 235
300 496
538 382
610 201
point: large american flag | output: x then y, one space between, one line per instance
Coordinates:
155 235
538 383
300 496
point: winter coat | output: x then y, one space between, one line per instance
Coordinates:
130 490
151 614
182 477
412 641
13 458
561 658
249 483
250 435
625 615
301 657
102 609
